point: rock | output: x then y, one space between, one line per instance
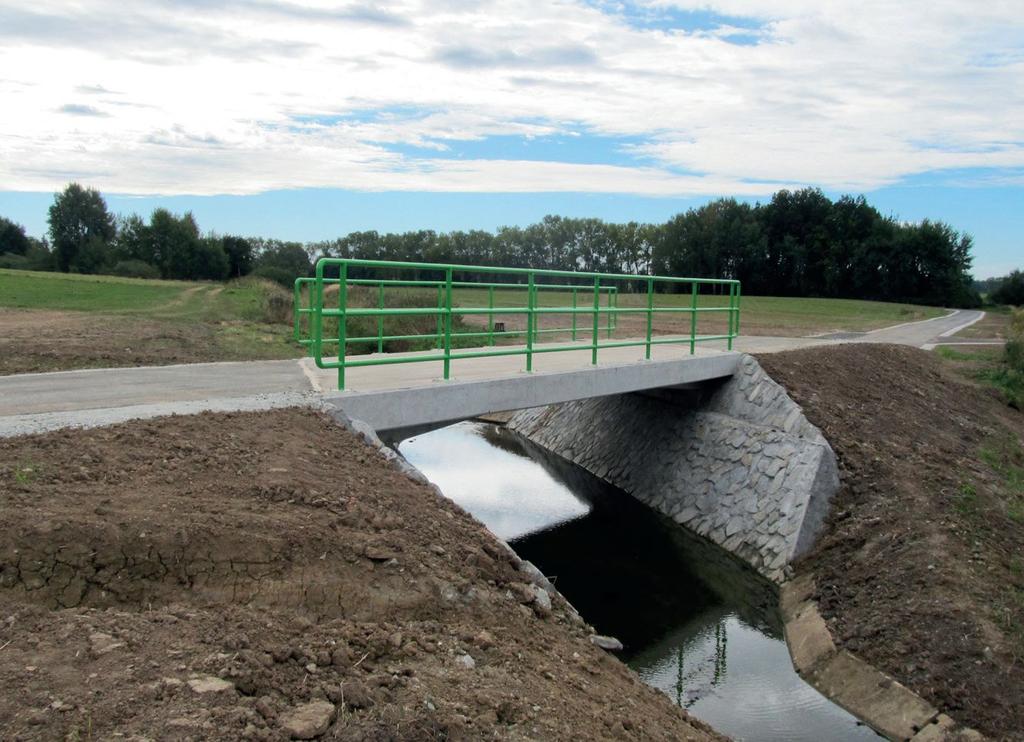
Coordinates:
266 707
340 657
380 553
210 684
465 662
523 593
356 696
101 643
541 601
609 643
536 576
309 720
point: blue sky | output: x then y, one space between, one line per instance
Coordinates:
309 120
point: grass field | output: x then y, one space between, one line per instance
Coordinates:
243 300
760 315
52 321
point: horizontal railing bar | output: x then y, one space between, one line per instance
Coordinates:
435 336
402 265
376 360
374 312
455 284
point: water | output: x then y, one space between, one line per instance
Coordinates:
694 621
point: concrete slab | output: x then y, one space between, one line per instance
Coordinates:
432 404
872 696
808 638
793 594
426 373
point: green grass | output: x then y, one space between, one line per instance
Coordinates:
990 367
71 291
248 318
244 300
1005 456
966 501
981 353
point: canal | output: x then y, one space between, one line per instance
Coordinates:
694 621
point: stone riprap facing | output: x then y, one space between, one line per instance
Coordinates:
740 466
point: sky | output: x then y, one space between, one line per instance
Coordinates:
309 120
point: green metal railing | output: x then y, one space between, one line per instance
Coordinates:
586 300
491 334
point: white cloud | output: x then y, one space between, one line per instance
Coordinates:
249 95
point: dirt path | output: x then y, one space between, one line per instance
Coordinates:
921 568
266 575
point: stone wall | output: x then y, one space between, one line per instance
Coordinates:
739 465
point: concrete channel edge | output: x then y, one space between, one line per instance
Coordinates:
888 707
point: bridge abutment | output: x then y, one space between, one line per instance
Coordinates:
738 464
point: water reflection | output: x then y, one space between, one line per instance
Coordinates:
480 467
694 621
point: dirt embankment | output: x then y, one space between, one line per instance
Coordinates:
920 570
266 575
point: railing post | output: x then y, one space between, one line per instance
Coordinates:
693 317
380 318
574 291
732 309
297 303
490 315
342 323
608 325
439 341
650 315
597 315
530 319
736 324
448 324
316 329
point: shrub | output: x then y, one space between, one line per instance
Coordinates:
283 276
1010 290
135 269
1014 353
14 261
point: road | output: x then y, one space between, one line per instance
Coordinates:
35 402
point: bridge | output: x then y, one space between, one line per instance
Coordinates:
445 310
509 339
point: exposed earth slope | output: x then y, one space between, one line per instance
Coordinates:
920 570
266 576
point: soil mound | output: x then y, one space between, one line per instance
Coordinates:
921 567
268 576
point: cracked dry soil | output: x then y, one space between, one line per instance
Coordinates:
265 576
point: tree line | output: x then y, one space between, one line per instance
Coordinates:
84 237
800 243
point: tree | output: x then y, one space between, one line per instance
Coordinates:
286 256
13 239
132 241
77 216
239 253
175 247
1010 290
